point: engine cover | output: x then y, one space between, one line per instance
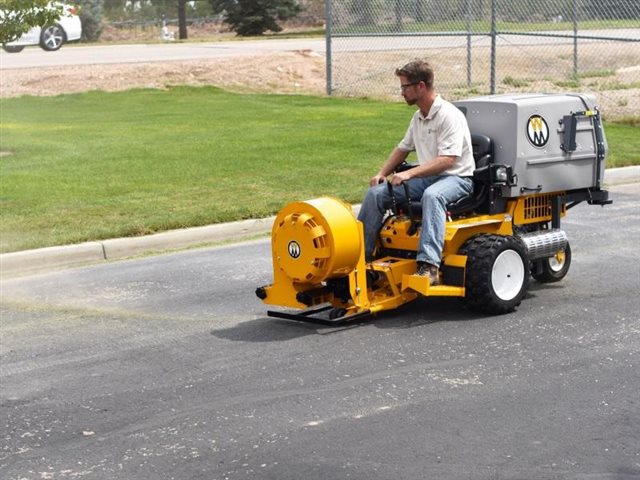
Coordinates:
315 240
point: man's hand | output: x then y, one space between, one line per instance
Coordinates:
377 180
396 157
399 178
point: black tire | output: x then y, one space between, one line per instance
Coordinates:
553 269
497 275
52 38
13 48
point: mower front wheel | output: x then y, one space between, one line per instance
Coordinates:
497 274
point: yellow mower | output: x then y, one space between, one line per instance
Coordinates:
537 156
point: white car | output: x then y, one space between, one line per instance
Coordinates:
51 37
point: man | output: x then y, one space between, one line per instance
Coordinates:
440 136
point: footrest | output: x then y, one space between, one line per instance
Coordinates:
423 286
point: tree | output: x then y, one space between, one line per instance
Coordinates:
115 10
19 16
254 17
182 19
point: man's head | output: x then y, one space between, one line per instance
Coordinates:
416 80
417 71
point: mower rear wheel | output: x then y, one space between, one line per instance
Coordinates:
552 269
497 276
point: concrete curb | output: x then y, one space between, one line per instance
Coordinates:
618 176
51 258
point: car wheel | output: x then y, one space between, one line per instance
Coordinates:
13 48
552 269
52 38
497 275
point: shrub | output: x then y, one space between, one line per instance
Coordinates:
254 17
91 17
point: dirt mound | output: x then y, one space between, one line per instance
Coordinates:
300 72
290 72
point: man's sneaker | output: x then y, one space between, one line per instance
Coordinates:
423 269
430 271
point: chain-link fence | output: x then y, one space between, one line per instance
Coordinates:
487 46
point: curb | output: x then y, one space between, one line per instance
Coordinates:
618 176
45 259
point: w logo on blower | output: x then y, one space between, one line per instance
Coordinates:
294 249
537 131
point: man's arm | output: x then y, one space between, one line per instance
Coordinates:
433 167
396 157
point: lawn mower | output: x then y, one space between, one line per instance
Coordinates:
537 156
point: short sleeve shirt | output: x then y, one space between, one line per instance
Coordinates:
444 132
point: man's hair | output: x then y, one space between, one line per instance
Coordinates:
417 71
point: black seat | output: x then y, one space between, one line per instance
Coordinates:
483 156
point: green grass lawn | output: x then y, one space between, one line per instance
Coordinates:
102 165
624 144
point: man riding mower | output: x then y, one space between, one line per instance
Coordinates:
536 156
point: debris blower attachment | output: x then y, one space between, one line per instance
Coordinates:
317 247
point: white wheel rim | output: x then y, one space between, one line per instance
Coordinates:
507 275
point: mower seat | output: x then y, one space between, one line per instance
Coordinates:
483 156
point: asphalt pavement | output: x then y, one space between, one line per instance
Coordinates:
166 367
160 52
180 51
45 259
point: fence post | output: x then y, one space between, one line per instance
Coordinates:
493 47
469 31
328 33
575 39
398 14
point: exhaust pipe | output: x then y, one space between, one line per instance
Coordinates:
544 244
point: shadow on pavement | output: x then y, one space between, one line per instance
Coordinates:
426 311
418 313
268 330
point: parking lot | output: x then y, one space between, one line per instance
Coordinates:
166 367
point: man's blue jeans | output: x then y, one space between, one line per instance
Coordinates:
434 192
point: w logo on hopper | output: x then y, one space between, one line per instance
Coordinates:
537 131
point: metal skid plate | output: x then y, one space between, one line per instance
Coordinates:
320 315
